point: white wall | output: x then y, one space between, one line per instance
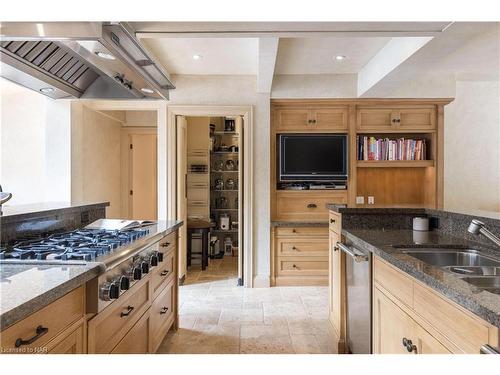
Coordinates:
472 147
34 156
314 86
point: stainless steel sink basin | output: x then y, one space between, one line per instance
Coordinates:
474 271
452 257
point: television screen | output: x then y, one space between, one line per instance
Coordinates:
313 157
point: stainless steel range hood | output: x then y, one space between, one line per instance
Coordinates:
81 60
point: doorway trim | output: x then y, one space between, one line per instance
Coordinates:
218 111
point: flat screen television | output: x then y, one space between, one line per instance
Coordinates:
312 157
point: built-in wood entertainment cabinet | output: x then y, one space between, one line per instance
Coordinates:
412 178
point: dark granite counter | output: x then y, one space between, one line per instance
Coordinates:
299 224
382 230
28 286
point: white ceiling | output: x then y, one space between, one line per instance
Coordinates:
317 55
220 55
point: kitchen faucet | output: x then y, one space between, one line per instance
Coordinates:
478 227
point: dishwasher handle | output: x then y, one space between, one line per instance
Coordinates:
353 253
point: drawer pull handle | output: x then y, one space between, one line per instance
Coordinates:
164 273
163 310
129 310
40 331
294 248
312 205
166 244
294 266
332 221
294 231
408 344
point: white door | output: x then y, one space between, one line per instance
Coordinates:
181 127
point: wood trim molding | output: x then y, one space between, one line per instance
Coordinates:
362 101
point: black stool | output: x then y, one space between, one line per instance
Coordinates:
199 227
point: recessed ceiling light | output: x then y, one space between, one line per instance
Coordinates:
197 57
104 55
340 57
47 89
147 90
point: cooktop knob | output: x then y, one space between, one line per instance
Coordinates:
114 291
160 256
123 282
144 267
137 272
153 260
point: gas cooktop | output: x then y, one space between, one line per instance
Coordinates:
82 244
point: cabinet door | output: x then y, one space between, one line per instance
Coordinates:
335 285
417 118
294 119
390 326
71 344
136 341
427 344
330 119
375 119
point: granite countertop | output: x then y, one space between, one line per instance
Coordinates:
17 212
277 223
28 286
483 303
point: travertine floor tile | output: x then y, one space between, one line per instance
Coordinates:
217 316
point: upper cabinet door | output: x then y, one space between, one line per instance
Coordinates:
396 119
293 119
417 118
374 119
330 119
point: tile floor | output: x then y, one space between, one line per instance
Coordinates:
216 316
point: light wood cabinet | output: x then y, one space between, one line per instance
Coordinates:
73 343
375 119
137 339
312 119
162 315
34 333
306 206
405 308
299 256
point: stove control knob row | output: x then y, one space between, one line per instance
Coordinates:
133 274
153 259
144 266
123 282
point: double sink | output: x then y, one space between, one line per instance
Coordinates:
472 266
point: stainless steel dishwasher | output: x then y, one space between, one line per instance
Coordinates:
358 273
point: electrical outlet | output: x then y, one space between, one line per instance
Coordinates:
360 200
371 200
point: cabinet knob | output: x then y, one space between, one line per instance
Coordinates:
312 205
332 221
294 266
408 344
294 248
314 121
309 121
294 231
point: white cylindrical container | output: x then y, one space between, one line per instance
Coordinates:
421 223
420 237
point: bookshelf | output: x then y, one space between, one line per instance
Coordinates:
395 163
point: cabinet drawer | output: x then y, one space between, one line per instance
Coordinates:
162 314
459 327
136 341
302 231
70 344
108 327
198 195
308 206
394 281
334 222
299 248
164 272
311 266
54 318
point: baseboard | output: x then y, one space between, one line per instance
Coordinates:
261 281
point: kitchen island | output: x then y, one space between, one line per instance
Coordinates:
456 313
54 300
